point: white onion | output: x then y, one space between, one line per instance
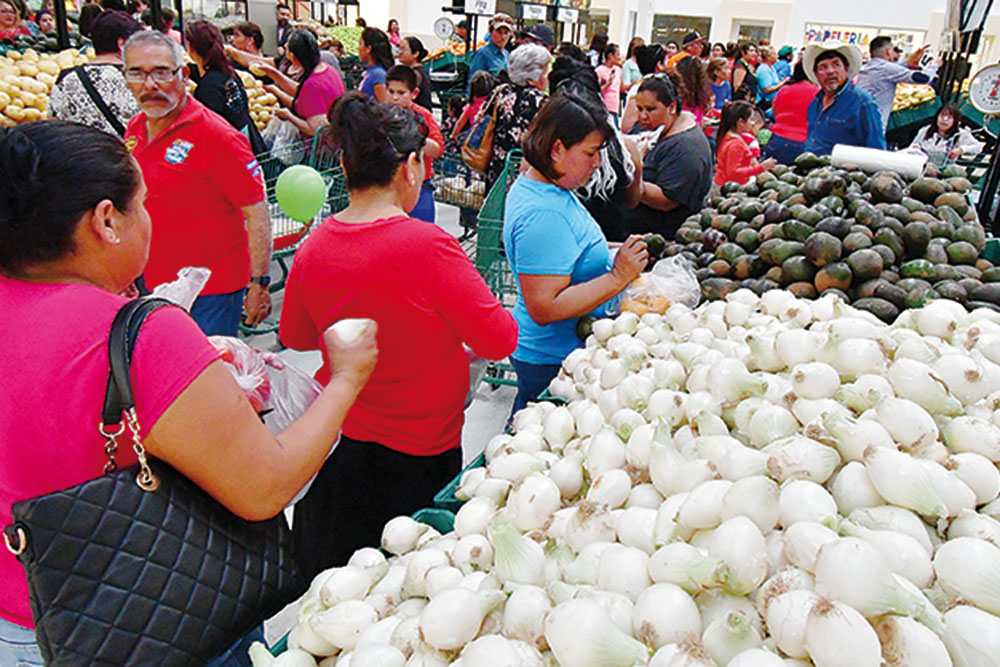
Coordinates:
838 635
970 567
664 614
908 643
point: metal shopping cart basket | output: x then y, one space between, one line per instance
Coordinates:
459 185
490 259
287 234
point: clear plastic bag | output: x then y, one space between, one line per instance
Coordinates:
672 280
288 145
280 391
183 291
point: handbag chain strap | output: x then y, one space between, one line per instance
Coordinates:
146 480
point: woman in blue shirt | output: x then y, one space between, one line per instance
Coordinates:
561 259
374 50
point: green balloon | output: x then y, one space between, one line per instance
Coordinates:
301 192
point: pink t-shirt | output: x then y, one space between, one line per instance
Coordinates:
55 366
612 93
318 93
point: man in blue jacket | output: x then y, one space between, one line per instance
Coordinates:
841 113
493 56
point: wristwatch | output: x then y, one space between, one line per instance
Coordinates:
263 281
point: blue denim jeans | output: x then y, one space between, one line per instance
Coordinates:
219 314
17 646
783 150
424 210
532 379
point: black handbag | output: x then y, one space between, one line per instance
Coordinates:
140 566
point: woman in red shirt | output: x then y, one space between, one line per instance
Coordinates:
11 24
791 124
735 162
402 440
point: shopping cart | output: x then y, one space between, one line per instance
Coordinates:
490 259
287 234
459 185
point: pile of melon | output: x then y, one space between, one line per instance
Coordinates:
26 79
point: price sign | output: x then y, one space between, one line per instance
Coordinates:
482 7
533 12
567 15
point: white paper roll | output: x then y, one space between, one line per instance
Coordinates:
907 164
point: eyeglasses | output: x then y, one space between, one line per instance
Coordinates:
158 74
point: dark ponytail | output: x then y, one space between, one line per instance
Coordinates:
732 113
374 138
379 43
303 45
206 40
51 174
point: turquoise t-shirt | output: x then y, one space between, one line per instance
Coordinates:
547 231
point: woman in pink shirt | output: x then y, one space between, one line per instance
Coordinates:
74 234
306 102
609 74
791 123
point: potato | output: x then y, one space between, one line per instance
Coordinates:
13 112
49 67
32 85
47 79
14 55
9 72
4 99
27 68
7 122
42 103
31 115
27 98
64 60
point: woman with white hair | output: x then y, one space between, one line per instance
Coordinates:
516 103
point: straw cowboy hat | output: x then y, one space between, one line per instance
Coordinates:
850 52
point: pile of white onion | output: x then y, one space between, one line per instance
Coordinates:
760 481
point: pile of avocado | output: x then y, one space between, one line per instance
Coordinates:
876 240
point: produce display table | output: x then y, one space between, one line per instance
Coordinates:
913 115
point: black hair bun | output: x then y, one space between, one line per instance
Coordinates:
19 163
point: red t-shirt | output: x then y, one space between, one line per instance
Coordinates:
318 93
413 279
789 108
200 173
736 164
53 390
434 132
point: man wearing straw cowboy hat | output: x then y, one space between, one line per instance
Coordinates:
841 113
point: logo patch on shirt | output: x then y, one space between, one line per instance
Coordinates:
178 151
255 170
131 143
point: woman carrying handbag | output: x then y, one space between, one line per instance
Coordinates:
73 235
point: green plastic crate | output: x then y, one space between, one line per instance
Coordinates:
445 498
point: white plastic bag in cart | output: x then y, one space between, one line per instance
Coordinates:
279 392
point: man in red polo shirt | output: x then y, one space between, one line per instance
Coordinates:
206 195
